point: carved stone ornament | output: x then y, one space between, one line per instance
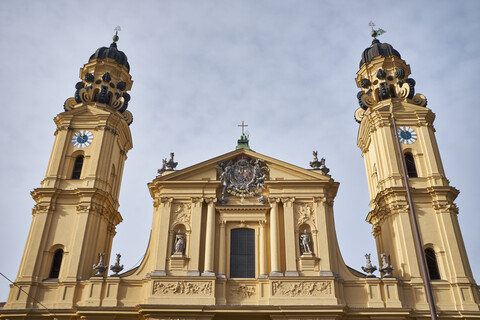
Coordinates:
169 165
182 288
104 91
243 291
381 74
244 177
369 268
365 100
365 83
100 267
359 114
181 213
386 268
117 267
305 214
301 288
399 73
318 165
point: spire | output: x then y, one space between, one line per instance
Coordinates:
383 75
105 81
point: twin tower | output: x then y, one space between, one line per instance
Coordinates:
243 235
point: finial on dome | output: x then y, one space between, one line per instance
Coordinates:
116 37
375 33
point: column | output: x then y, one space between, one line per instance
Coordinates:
274 254
261 251
210 239
193 264
221 254
290 238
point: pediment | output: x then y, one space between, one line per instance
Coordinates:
278 170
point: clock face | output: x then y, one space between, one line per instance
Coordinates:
82 139
406 135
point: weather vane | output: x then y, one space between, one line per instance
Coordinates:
375 33
116 37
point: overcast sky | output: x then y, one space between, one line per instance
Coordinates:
286 68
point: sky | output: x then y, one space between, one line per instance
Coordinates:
200 68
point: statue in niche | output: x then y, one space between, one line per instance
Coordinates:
179 246
305 243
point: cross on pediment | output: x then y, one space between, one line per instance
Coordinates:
243 125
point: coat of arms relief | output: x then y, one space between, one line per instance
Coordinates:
242 177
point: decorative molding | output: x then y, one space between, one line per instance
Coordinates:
301 288
166 201
210 200
181 212
305 214
288 202
197 202
243 291
182 288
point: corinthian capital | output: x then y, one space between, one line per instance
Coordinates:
288 202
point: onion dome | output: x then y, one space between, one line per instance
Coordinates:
113 53
378 49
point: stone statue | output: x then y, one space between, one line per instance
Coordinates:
315 164
171 164
386 268
323 167
305 243
369 268
164 167
179 246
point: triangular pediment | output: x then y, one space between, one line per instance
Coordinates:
278 170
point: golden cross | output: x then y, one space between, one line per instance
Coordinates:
243 125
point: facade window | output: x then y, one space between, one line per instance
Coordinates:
77 167
432 265
410 164
242 253
57 262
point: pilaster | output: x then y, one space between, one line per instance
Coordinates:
274 239
290 240
194 263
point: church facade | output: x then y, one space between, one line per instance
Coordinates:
244 235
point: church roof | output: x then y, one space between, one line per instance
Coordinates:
113 53
378 49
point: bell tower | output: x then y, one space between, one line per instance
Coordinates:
76 209
387 97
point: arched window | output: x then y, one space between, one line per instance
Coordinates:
242 253
77 167
57 262
432 265
410 164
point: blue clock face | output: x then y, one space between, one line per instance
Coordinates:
406 135
82 139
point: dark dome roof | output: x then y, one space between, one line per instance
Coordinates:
378 49
113 53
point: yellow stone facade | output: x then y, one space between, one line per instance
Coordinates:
193 279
